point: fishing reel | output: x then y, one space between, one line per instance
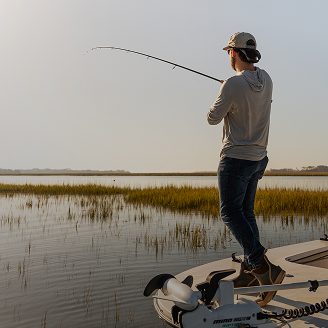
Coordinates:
212 304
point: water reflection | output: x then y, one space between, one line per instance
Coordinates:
75 261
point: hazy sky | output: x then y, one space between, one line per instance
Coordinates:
112 110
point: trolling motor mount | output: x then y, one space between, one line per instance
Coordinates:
211 284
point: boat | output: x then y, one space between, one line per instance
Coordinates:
204 296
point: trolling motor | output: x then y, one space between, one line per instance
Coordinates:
213 303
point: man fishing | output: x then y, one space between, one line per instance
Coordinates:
244 103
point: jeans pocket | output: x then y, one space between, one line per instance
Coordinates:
263 164
229 165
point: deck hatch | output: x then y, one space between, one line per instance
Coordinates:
317 258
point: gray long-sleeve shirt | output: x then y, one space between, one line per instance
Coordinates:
244 102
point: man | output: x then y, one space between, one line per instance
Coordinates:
244 102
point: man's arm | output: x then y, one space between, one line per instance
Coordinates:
222 105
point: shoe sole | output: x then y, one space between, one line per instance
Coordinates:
270 295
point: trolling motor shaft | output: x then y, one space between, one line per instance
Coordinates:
311 284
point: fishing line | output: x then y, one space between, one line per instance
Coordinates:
156 58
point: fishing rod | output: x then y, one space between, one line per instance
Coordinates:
163 60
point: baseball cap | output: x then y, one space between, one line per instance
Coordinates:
240 40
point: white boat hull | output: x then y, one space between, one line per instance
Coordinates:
312 258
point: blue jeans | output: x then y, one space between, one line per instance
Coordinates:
238 180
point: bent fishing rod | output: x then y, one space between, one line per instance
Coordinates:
163 60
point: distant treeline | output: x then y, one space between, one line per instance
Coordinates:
308 170
59 171
319 168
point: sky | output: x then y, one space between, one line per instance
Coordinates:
112 110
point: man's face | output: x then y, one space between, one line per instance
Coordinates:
232 59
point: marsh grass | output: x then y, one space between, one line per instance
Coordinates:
186 237
183 199
64 189
286 202
205 201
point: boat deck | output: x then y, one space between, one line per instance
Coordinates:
302 262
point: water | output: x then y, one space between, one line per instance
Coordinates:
308 182
76 261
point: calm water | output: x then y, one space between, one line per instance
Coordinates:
145 181
84 261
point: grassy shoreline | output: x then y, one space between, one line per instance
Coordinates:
187 199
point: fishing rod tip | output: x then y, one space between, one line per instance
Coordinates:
86 52
90 50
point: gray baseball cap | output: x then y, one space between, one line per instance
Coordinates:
240 40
